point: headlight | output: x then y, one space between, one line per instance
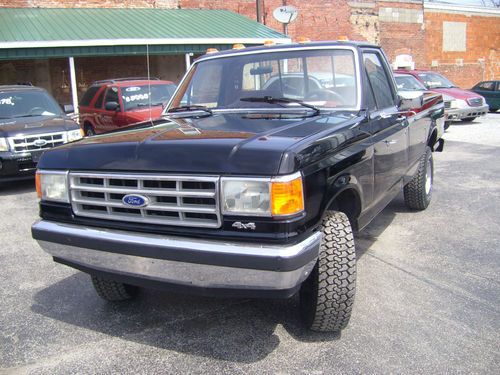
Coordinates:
263 196
52 186
458 103
74 135
4 146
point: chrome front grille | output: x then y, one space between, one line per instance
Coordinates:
38 142
172 200
475 102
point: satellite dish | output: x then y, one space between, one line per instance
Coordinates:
285 14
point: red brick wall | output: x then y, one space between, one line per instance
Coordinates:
402 38
480 61
317 20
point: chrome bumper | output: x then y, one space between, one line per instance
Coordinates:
458 114
180 261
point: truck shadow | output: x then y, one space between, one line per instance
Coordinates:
238 330
17 187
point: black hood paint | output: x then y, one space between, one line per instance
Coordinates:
232 143
35 125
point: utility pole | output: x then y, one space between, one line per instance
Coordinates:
258 7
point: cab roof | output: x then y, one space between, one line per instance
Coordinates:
277 47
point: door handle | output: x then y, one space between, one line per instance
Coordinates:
385 115
391 142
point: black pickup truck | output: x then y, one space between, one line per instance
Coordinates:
252 182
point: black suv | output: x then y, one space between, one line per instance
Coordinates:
31 122
251 184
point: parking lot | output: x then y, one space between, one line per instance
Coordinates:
428 295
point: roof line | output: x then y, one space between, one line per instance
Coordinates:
462 8
138 41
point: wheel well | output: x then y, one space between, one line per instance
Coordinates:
432 139
87 124
349 203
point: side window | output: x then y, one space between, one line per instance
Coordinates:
488 86
112 95
87 97
100 100
378 80
370 100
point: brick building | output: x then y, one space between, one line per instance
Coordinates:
460 41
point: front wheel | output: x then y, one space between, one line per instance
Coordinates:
327 296
89 131
418 191
113 290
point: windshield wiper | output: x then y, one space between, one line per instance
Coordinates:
187 108
271 100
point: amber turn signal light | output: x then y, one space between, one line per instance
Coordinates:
287 197
38 185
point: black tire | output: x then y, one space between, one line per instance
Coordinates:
468 119
112 290
89 130
418 191
327 296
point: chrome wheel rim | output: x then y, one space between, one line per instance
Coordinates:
428 177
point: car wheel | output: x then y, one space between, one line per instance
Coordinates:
418 192
468 119
327 295
112 290
89 131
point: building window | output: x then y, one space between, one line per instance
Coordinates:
454 36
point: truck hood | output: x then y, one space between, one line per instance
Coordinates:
35 125
234 143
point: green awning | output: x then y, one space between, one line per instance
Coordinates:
27 33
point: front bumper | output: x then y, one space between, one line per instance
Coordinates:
202 266
16 166
461 113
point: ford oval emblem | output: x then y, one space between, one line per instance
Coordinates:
135 200
40 142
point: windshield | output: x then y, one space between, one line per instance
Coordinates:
26 104
409 83
138 96
435 81
325 78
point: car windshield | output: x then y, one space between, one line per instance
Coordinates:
139 96
27 104
322 78
436 81
408 83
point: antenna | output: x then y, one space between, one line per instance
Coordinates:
149 86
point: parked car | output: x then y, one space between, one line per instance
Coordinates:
433 102
459 104
115 103
490 91
31 122
240 190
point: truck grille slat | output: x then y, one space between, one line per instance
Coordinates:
38 142
173 200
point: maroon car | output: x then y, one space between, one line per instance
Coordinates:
459 104
115 103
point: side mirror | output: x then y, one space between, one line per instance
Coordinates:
68 108
409 100
111 106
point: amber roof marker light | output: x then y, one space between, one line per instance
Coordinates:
211 50
238 46
303 40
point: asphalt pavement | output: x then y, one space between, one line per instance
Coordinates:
428 295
